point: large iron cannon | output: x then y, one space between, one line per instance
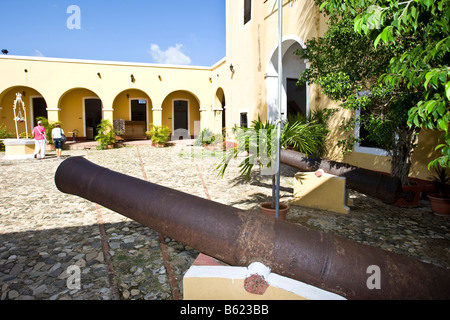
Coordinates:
239 237
372 183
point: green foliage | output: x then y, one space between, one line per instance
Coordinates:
105 134
4 134
307 134
23 135
206 137
160 134
258 140
441 179
419 32
48 127
347 66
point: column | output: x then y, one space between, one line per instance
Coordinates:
157 116
53 114
108 114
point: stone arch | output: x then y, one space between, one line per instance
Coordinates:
134 108
80 111
35 106
181 110
219 109
292 67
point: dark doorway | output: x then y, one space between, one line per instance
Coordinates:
180 114
93 116
39 109
244 120
296 98
224 118
139 110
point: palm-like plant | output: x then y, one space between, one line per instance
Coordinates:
105 134
259 140
160 134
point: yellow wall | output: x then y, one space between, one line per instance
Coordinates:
7 112
121 104
71 110
194 109
109 81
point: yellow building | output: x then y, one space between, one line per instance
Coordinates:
234 91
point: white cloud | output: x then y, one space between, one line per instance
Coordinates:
38 53
173 55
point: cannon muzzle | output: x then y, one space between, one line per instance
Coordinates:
239 237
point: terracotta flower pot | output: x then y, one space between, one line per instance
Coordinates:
158 144
440 205
267 210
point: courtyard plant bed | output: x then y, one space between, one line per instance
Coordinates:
106 135
159 135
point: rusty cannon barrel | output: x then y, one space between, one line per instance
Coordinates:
372 183
239 237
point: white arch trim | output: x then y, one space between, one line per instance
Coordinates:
271 78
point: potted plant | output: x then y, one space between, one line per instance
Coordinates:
4 134
207 139
440 201
106 135
303 136
159 136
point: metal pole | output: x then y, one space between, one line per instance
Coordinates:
280 83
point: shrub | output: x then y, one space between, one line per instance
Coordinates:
160 134
4 134
105 134
206 137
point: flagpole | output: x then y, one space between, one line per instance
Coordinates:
280 83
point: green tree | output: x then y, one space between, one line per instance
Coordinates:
421 64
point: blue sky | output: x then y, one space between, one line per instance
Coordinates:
150 31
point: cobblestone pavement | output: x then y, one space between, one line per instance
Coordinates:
48 239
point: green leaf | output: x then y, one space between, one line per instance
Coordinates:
375 43
416 121
447 90
414 13
428 3
443 124
429 105
323 5
428 77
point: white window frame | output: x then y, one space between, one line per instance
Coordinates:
84 113
361 149
31 113
146 107
188 115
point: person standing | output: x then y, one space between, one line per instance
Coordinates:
57 133
39 140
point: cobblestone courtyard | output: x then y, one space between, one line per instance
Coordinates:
44 232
